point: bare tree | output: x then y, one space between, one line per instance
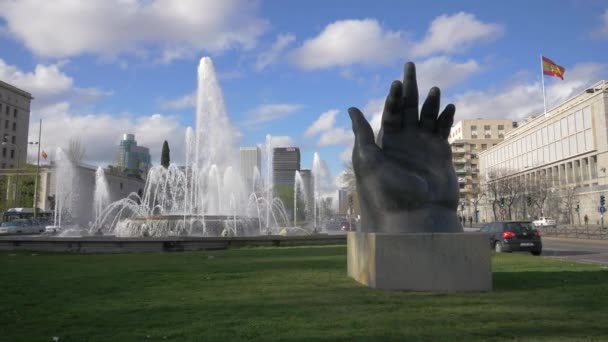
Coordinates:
348 177
539 190
511 191
567 203
493 192
479 193
76 150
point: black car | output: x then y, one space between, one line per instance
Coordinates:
511 236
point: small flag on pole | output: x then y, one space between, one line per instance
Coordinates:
550 68
44 155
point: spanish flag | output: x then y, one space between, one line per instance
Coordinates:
552 69
43 154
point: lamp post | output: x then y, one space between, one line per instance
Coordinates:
6 143
37 169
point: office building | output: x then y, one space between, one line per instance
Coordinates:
468 138
132 158
14 125
251 160
563 154
285 162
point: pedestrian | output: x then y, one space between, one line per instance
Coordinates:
586 219
471 221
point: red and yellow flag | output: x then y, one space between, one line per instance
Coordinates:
43 154
550 68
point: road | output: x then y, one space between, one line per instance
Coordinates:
589 251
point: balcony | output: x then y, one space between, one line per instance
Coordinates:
462 180
460 161
461 171
458 150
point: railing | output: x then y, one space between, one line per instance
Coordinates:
575 232
460 161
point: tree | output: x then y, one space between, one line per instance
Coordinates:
75 150
165 155
539 189
348 177
479 193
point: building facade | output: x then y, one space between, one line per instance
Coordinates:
467 139
14 125
133 158
251 165
558 161
285 163
83 181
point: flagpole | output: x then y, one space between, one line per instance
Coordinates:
542 75
37 171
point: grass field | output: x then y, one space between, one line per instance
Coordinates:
285 294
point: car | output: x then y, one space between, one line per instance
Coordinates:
544 222
512 236
344 226
21 226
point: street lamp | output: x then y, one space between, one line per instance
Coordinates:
6 143
37 170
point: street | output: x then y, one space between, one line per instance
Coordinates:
589 251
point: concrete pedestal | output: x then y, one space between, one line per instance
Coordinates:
437 262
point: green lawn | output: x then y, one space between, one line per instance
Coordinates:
285 294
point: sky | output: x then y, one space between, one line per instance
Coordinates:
291 69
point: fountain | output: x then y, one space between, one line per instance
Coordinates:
101 197
207 196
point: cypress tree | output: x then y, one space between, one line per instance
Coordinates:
165 156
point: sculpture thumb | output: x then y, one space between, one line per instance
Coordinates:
364 135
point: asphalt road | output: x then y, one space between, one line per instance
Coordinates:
589 251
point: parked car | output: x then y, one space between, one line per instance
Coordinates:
21 226
511 236
344 226
544 222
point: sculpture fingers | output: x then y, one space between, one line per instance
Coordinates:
430 110
392 116
410 96
445 121
364 135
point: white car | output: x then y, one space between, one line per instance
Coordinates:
544 222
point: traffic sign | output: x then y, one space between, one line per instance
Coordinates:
503 211
602 209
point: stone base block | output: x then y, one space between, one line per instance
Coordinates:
437 262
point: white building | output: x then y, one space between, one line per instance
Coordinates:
251 159
566 150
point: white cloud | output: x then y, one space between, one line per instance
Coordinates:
325 122
347 42
270 112
282 141
336 136
518 101
186 101
171 29
456 32
347 154
442 72
268 57
48 84
100 133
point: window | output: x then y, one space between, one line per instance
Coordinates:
4 151
13 139
473 128
14 126
500 135
12 154
474 136
486 127
493 144
6 110
484 147
15 112
501 127
6 124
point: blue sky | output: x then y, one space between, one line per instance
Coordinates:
102 68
